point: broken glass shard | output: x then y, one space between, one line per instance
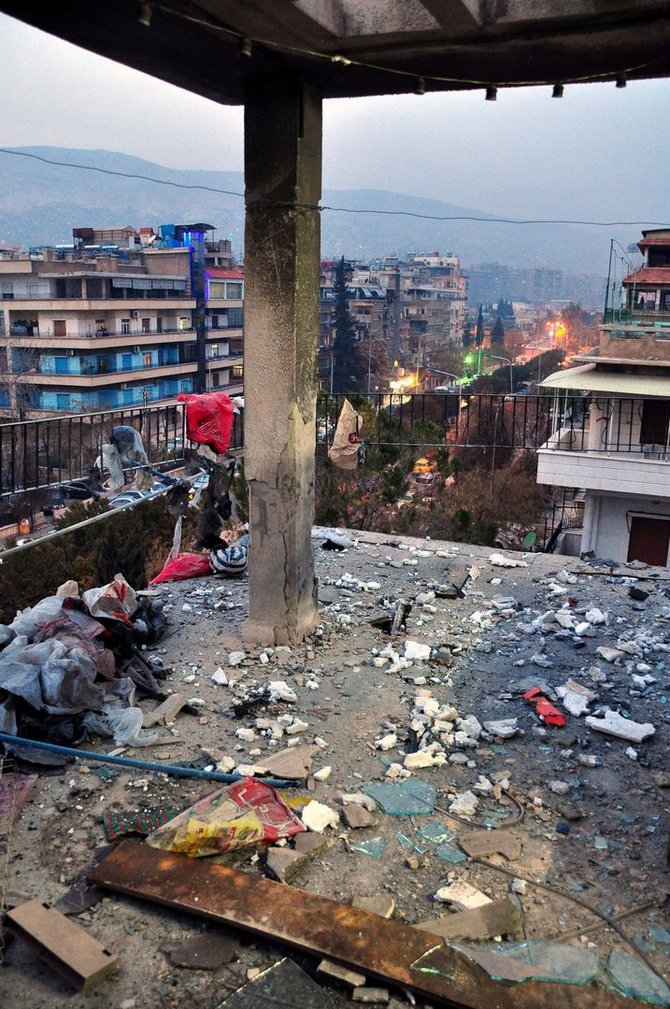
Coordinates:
541 961
450 853
402 798
374 847
636 979
436 831
283 984
660 935
404 841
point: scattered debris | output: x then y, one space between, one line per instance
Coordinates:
614 724
207 951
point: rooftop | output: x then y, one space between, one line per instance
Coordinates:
587 808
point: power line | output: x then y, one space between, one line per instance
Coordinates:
325 207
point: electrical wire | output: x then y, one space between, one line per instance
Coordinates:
333 209
347 61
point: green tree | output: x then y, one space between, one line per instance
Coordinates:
498 332
349 370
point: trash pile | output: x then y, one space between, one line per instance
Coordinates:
70 666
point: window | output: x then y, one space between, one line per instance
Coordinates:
34 290
184 323
125 325
7 290
62 401
60 328
233 290
147 359
237 371
216 289
146 325
126 361
655 417
214 350
216 379
235 317
159 325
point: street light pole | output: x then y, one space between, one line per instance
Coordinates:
506 360
495 427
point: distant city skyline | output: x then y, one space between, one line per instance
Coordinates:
599 153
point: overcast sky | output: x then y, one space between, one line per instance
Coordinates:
599 153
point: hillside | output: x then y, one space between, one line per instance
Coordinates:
41 203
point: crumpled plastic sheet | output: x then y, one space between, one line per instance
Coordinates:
116 600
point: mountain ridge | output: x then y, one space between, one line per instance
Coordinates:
40 204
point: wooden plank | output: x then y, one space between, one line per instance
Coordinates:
361 940
72 952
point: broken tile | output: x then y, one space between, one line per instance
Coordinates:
379 996
293 763
311 844
165 712
499 917
478 843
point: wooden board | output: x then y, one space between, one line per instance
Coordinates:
374 945
72 952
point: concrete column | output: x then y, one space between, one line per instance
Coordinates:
282 146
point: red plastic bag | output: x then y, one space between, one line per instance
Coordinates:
183 566
209 418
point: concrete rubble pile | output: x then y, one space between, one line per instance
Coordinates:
477 742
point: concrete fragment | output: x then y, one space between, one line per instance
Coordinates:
285 863
323 773
465 804
414 650
293 763
596 616
506 728
499 917
219 677
500 561
575 697
609 654
357 817
311 844
462 895
614 724
317 816
340 973
235 658
380 904
166 712
360 799
386 742
377 995
558 787
246 735
479 843
424 758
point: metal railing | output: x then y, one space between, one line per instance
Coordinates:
36 455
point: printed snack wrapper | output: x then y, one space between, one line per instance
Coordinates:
246 812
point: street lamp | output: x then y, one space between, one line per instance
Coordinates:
447 374
506 360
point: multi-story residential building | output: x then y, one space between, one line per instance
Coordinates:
118 318
611 441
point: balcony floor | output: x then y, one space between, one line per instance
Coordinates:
354 703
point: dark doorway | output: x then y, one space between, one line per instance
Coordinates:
655 417
649 540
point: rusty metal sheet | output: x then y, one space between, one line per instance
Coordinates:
376 946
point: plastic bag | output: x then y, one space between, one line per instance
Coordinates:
183 566
344 450
209 418
240 814
30 620
117 600
126 726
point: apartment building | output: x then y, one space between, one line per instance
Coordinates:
611 438
120 317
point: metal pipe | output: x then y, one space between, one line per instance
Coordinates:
142 765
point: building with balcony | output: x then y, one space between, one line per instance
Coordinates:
116 319
611 431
